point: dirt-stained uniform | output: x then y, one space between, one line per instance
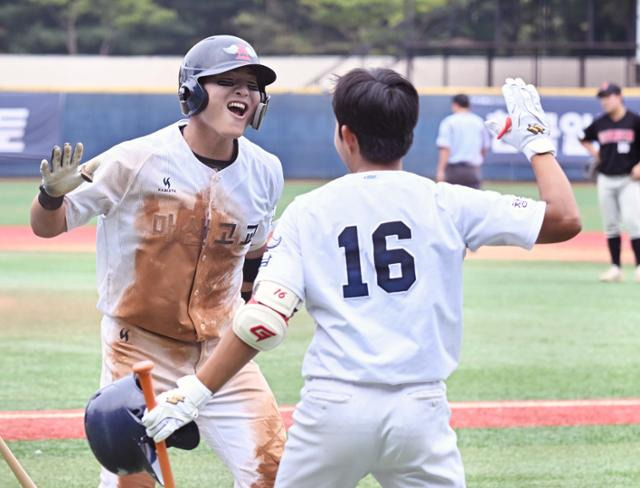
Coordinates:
172 234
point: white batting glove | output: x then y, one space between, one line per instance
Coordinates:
176 408
65 172
526 127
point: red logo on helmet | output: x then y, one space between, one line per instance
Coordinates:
243 52
261 332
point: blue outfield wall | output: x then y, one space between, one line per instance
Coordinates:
298 128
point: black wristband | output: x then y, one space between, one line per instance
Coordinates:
250 269
246 295
47 201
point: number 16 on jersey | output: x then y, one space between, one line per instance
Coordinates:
383 258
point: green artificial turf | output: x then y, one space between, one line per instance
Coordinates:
533 330
550 457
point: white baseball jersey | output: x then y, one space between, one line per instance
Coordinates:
172 233
378 258
466 136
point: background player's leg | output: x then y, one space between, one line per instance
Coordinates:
608 192
242 424
630 208
614 244
333 441
635 245
420 448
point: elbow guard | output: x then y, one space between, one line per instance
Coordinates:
262 323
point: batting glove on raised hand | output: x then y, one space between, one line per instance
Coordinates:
176 408
65 172
526 127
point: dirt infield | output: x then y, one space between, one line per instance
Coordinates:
20 238
67 424
587 246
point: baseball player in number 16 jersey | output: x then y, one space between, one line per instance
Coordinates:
183 216
376 256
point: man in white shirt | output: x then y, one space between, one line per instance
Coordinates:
377 256
463 142
183 217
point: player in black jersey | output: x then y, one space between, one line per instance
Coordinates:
617 132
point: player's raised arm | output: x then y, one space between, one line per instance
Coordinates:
62 175
527 130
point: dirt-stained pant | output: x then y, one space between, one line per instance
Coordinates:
619 199
343 431
241 423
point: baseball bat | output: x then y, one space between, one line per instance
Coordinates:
23 478
143 370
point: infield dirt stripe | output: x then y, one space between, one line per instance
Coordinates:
586 246
21 238
67 424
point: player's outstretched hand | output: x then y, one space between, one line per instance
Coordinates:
65 173
526 127
176 408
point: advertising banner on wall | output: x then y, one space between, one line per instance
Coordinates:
30 124
567 115
299 129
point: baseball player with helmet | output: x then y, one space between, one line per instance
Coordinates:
617 164
183 217
377 257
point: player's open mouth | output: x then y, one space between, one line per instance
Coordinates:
238 108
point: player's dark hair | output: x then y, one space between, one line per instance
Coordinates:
381 109
461 100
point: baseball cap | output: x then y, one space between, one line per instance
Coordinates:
608 88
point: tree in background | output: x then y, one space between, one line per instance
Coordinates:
279 26
134 26
311 26
377 25
84 26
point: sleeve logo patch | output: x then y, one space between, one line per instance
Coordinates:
274 242
520 203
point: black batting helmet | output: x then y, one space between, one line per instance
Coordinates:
116 435
215 55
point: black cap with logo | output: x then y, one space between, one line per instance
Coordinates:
607 89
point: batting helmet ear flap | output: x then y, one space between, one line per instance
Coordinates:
183 96
261 110
193 97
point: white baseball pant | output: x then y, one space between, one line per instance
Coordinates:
619 199
241 423
344 431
